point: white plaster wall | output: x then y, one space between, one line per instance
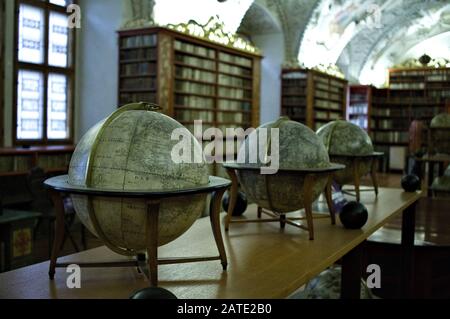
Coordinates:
272 46
97 62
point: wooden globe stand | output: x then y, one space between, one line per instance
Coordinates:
357 162
311 176
59 186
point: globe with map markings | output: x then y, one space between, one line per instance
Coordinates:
346 142
440 133
132 150
298 149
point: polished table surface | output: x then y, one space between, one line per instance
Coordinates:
432 227
264 261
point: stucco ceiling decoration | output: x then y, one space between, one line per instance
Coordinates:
291 15
364 37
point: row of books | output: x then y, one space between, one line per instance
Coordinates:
234 93
234 81
334 116
326 87
294 90
391 137
406 94
207 103
328 104
438 77
294 112
294 100
190 116
387 124
438 85
222 127
126 98
321 115
294 75
144 68
419 112
439 93
229 105
225 57
361 108
23 163
326 95
407 86
194 101
420 72
195 62
148 83
235 70
195 74
360 121
233 117
15 163
139 41
396 111
194 88
54 161
357 98
138 54
195 49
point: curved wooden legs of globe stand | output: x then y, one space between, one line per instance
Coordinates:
59 231
152 241
356 177
310 180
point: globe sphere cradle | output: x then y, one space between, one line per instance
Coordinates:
128 191
303 173
351 146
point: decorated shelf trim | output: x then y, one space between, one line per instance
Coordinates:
330 69
424 62
213 31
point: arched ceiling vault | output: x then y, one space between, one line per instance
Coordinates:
363 37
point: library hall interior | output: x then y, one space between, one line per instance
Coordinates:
225 149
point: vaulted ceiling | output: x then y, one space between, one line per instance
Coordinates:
363 37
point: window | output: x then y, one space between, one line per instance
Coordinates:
44 72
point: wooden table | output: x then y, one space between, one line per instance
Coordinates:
264 261
431 252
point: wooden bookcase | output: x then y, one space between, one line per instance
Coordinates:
312 97
359 105
413 95
190 78
19 161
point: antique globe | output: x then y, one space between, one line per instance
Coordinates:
132 150
299 150
440 134
350 145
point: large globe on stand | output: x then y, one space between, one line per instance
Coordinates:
346 142
299 148
440 136
131 150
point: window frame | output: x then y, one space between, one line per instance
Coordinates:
45 69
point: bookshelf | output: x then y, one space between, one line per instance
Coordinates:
414 94
359 105
191 78
312 97
19 161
